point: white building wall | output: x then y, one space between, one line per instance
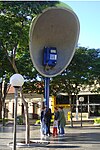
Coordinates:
10 108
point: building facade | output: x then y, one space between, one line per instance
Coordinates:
33 100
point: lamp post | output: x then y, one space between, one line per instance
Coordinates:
81 99
77 104
16 81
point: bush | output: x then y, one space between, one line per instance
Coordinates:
5 120
20 120
97 121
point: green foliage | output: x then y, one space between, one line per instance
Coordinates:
97 121
15 19
5 120
81 71
20 120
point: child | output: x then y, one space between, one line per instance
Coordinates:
55 127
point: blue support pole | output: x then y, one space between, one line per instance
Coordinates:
47 81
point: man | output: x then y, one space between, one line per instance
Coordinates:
47 120
62 121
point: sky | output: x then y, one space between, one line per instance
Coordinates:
88 13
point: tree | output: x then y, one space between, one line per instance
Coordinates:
78 74
95 71
15 19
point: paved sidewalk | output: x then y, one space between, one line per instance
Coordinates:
76 138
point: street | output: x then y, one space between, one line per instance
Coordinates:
76 138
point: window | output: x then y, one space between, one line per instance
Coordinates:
61 99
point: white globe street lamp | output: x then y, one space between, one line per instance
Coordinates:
16 81
81 99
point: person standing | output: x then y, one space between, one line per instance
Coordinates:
62 121
56 114
55 128
44 128
47 120
55 123
42 121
